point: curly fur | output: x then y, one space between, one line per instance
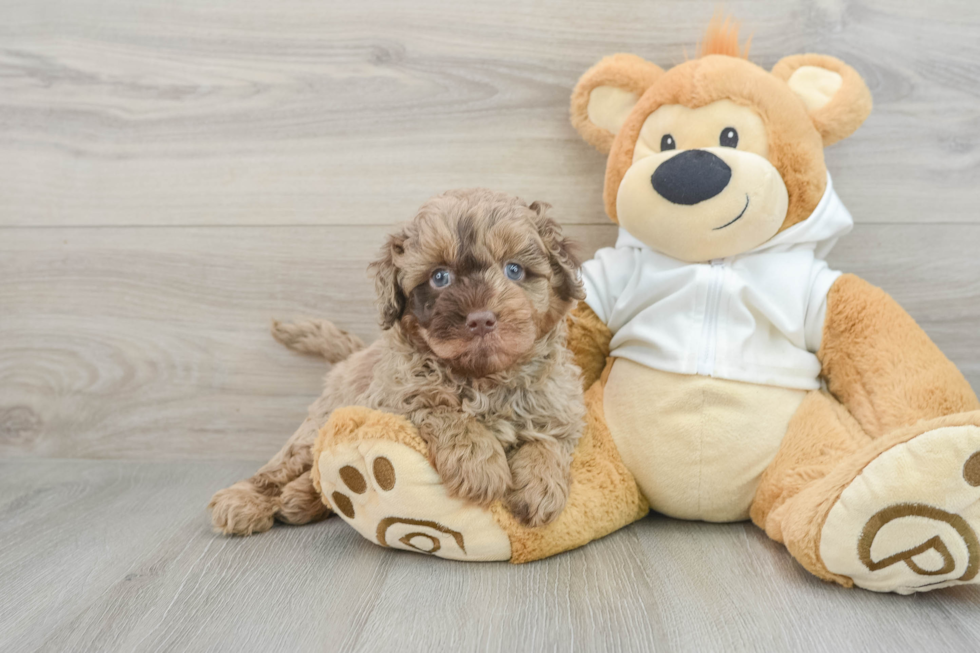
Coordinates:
501 414
317 337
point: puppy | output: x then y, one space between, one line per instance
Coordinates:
473 295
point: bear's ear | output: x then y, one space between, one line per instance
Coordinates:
606 94
836 97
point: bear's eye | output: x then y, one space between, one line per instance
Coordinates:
441 278
514 271
667 143
729 137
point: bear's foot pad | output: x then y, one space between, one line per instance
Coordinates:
909 521
391 495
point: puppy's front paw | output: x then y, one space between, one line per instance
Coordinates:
541 479
538 501
242 510
473 472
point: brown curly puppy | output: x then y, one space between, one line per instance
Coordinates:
473 294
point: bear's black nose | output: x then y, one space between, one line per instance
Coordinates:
691 177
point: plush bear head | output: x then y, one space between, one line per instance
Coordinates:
715 156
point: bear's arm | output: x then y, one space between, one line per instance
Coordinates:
881 365
588 339
605 277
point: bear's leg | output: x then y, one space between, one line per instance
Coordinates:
880 490
897 513
882 366
372 468
820 436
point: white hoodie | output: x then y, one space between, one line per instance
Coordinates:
756 317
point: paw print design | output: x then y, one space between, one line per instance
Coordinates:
390 493
909 521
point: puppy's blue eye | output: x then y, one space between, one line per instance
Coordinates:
514 271
441 278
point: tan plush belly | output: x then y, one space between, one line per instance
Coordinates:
696 445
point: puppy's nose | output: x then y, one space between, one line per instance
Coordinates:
481 322
691 177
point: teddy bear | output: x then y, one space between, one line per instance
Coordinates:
729 372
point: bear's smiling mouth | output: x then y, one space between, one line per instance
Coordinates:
738 217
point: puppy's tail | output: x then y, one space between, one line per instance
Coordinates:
317 337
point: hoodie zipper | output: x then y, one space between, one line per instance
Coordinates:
709 330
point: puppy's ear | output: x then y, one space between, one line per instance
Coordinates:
391 299
565 265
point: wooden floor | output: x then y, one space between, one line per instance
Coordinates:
175 173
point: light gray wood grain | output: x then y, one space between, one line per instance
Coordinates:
135 342
291 112
118 556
